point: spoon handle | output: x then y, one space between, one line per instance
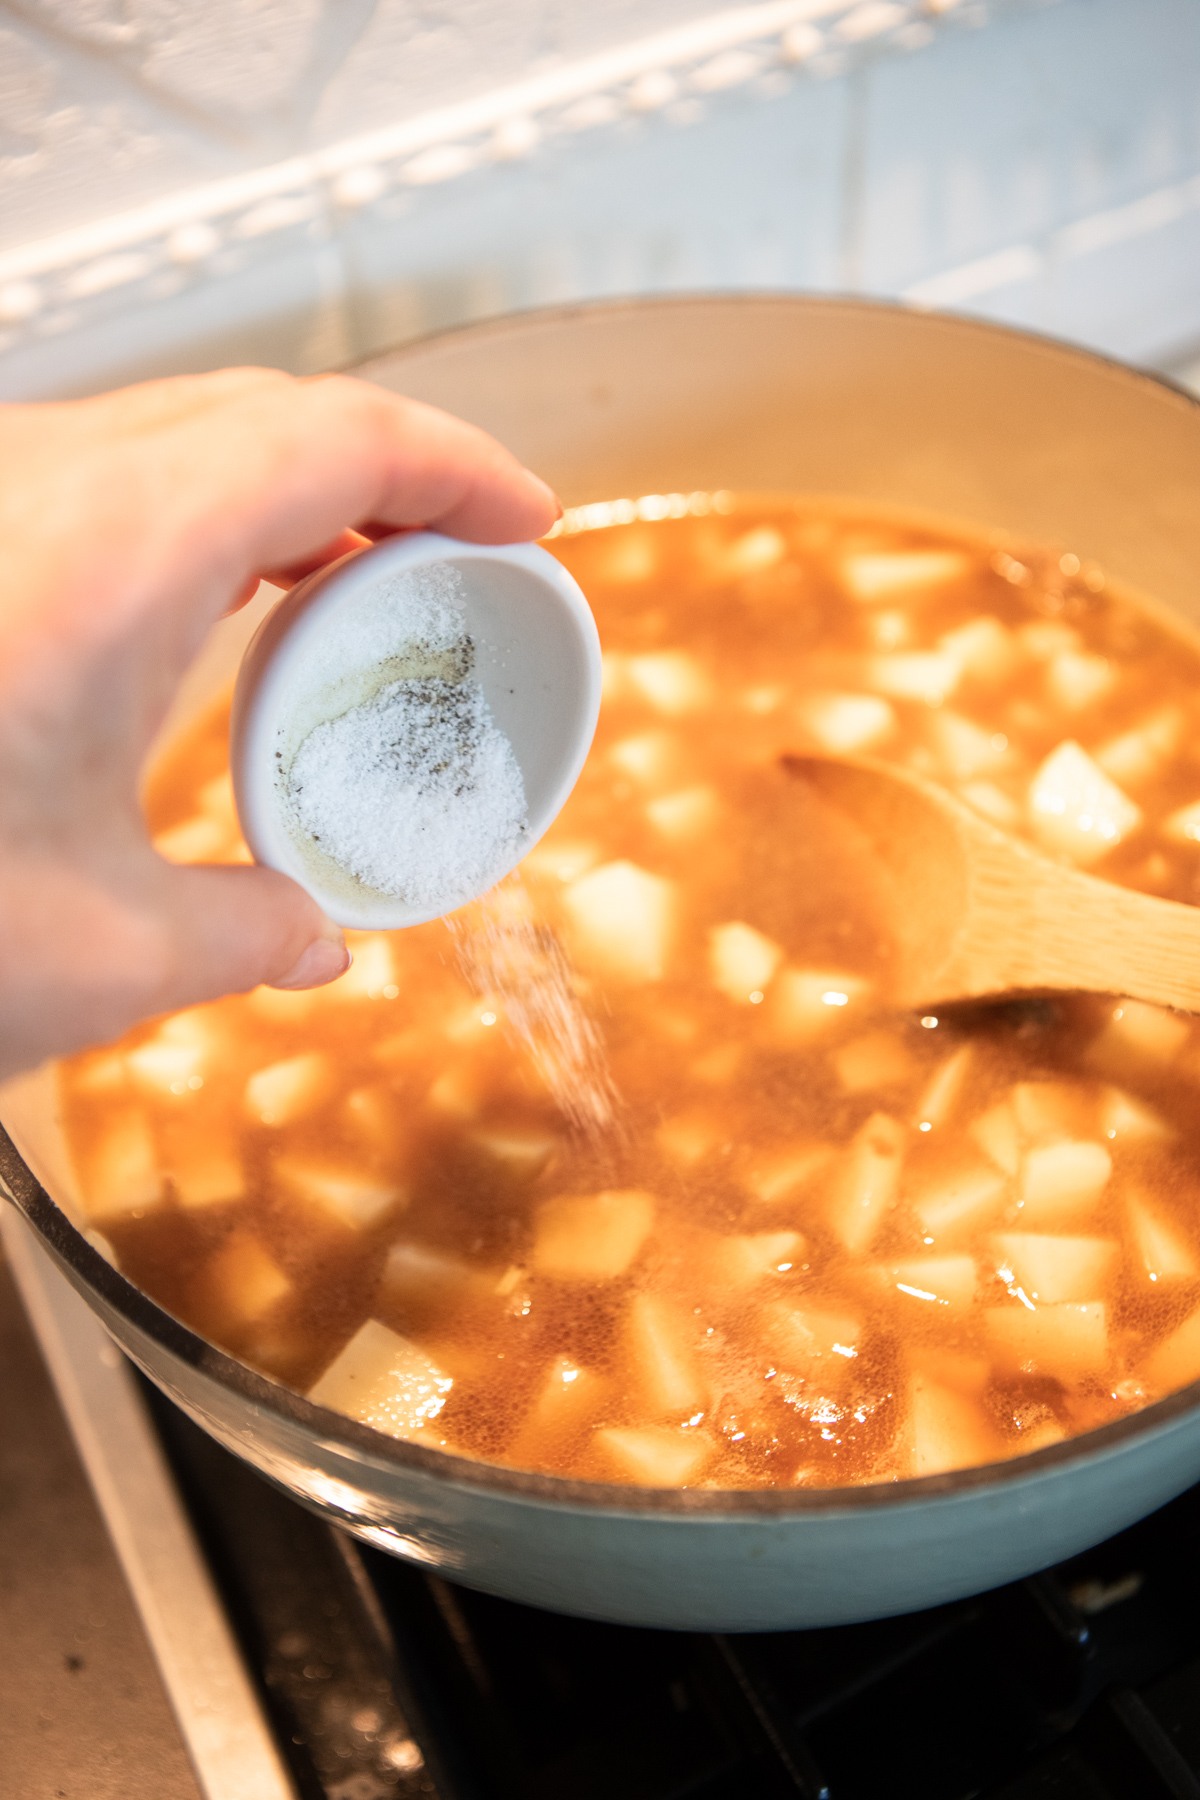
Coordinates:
1032 925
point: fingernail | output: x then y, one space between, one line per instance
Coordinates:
322 962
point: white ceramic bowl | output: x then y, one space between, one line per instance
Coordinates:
537 659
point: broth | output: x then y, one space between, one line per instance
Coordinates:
819 1242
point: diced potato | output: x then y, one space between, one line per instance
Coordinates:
985 649
373 1117
385 1381
1157 1245
282 1007
654 1457
120 1173
592 1237
371 973
786 1173
798 1338
1137 756
995 1131
805 1004
690 1137
1062 1181
459 1091
197 840
521 1152
741 960
418 1274
286 1090
655 758
660 1345
1049 1110
182 1049
565 859
964 749
615 682
1174 1363
566 1402
738 1261
1076 679
757 549
688 814
626 918
865 1185
929 675
845 723
911 575
994 804
956 1203
948 1429
672 681
1075 810
101 1072
1043 638
341 1190
943 1093
945 1280
1065 1340
1138 1038
1050 1269
245 1280
203 1166
878 1059
1131 1122
1183 826
965 1374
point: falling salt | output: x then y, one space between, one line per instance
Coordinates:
413 789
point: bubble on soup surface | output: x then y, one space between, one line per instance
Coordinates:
386 1381
592 1237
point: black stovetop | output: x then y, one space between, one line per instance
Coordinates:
383 1680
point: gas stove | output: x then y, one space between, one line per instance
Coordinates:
301 1663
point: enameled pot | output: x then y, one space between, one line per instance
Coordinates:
842 398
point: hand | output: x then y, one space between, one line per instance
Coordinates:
131 523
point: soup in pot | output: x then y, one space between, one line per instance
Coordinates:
632 1174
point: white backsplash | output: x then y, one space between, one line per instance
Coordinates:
303 182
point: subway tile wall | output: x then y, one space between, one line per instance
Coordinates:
304 182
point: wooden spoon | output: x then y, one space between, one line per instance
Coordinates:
976 914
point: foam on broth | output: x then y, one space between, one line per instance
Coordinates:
819 1242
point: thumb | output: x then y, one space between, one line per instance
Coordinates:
230 928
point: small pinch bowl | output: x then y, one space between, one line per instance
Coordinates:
537 659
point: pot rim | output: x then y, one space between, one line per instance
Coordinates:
94 1272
